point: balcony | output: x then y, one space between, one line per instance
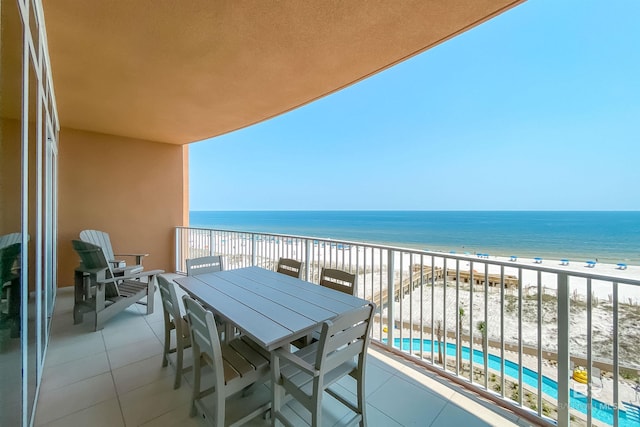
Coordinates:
114 378
572 321
115 375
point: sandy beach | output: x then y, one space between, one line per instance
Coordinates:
372 277
371 264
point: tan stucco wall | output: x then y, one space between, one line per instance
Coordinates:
132 189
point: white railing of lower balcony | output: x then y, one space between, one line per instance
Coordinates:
516 319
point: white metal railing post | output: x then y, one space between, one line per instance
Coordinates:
616 361
177 243
212 242
307 259
390 297
442 344
520 340
563 350
254 254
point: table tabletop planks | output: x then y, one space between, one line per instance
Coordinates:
271 308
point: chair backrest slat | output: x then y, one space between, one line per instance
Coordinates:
91 255
205 264
101 239
338 280
344 354
290 267
347 336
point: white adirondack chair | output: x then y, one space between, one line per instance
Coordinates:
119 266
99 290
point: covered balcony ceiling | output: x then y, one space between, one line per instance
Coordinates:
180 72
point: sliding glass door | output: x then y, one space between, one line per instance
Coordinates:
28 206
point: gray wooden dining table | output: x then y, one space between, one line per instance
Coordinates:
273 309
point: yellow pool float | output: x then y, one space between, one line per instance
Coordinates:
580 375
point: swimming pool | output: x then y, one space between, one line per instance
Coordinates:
599 410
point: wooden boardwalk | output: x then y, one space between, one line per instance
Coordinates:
479 278
416 279
408 284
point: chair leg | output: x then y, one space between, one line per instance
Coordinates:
151 286
168 327
167 343
361 400
219 408
277 391
316 412
276 403
179 353
196 380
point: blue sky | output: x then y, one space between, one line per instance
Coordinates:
537 109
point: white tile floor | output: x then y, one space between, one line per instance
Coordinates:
114 378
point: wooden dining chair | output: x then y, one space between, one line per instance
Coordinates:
338 280
173 321
205 264
290 267
309 372
210 264
236 366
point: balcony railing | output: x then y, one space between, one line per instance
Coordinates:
557 344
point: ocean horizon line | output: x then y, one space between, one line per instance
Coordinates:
609 236
414 210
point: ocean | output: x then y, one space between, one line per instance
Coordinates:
606 236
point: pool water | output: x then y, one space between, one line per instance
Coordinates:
599 410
